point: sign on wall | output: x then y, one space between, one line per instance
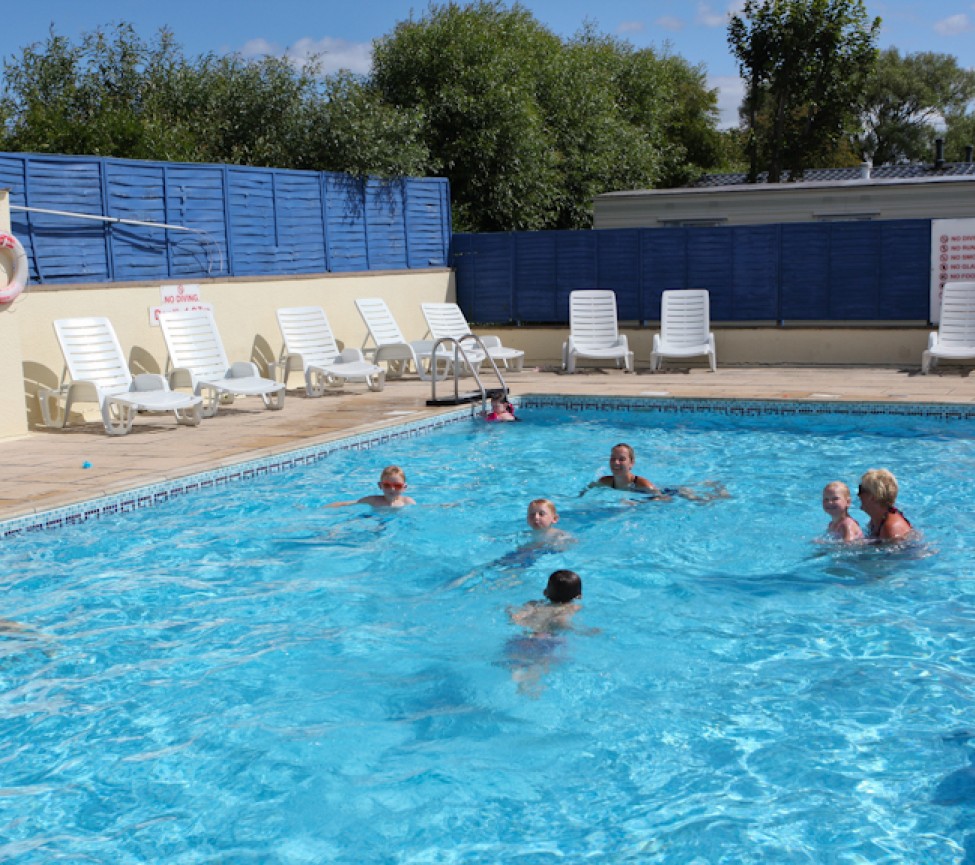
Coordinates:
177 298
952 257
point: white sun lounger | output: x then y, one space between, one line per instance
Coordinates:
389 346
310 346
447 320
955 336
685 327
594 330
197 360
98 372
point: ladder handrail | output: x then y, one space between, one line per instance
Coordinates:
458 347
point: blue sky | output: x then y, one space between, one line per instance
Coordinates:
344 31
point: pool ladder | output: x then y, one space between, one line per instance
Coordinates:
459 362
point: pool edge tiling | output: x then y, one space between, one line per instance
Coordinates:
150 495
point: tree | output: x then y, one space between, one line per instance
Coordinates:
905 99
804 63
529 128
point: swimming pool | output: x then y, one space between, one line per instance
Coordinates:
242 675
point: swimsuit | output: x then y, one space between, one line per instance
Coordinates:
890 510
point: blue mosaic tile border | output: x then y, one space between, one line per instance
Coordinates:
747 408
155 494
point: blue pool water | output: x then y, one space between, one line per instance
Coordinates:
246 676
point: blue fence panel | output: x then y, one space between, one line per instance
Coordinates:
905 265
385 225
196 197
536 276
854 271
663 266
345 223
805 273
710 254
428 234
137 193
754 273
618 268
492 265
300 237
576 268
238 220
788 272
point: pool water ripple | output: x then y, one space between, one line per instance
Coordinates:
246 675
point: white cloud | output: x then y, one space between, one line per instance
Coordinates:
709 18
731 91
668 22
630 27
953 26
335 53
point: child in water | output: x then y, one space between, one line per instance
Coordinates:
392 482
542 517
531 655
501 409
836 503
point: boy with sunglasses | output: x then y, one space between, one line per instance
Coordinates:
392 482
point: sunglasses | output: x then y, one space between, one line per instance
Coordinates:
391 485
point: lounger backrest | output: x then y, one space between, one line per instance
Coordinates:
592 318
445 320
685 317
92 353
379 320
957 325
194 343
306 331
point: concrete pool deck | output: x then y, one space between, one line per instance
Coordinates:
44 469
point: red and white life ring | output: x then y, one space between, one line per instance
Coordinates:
10 248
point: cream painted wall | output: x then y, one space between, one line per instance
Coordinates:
757 345
13 420
244 311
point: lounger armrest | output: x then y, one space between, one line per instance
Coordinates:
932 340
180 377
491 341
243 369
149 381
656 343
350 355
422 346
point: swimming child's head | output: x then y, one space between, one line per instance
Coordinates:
836 498
499 404
563 586
542 514
392 482
621 458
881 485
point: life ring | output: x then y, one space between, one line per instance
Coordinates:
11 248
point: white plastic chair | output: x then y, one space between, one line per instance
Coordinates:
197 360
98 372
685 327
955 336
310 346
389 345
447 320
594 330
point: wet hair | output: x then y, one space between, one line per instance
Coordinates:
389 471
842 487
563 586
627 448
544 503
881 484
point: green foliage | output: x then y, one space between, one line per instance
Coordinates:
804 63
530 128
904 99
959 134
